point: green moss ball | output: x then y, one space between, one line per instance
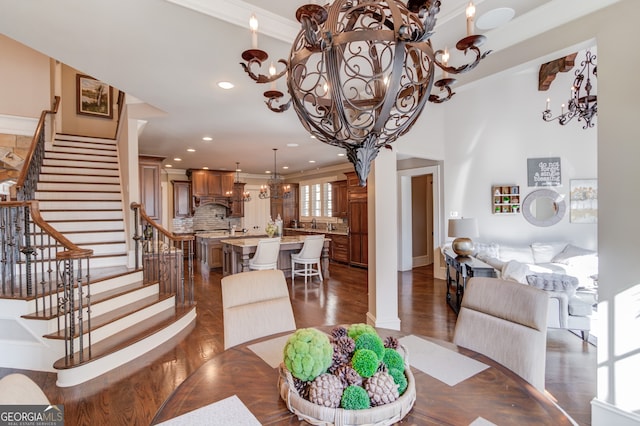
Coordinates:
355 398
308 353
356 330
372 342
393 359
399 378
365 362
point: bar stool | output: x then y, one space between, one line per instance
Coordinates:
309 257
266 256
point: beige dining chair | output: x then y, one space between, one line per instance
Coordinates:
309 258
506 321
19 389
266 255
255 304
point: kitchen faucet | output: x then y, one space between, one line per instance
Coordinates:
314 225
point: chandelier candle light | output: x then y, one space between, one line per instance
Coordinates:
581 104
360 72
275 187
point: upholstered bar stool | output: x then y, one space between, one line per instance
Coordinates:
266 256
309 258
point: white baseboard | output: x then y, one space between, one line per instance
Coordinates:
420 261
605 414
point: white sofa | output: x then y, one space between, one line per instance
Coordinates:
569 273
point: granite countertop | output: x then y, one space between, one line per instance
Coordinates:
253 241
227 234
319 231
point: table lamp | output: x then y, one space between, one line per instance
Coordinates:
463 230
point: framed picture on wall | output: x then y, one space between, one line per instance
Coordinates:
93 97
584 201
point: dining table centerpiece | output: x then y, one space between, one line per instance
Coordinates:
350 376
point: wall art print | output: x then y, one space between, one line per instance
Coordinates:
584 201
93 97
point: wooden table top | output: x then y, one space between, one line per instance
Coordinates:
495 394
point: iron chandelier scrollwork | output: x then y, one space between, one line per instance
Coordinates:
582 103
360 72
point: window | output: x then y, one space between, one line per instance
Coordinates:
315 199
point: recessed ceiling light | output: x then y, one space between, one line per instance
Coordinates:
205 168
191 150
207 138
312 137
268 172
342 154
168 165
225 85
292 145
285 167
312 161
177 159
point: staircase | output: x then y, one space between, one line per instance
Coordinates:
79 193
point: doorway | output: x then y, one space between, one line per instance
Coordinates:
422 220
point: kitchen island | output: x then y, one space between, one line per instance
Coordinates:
209 247
237 252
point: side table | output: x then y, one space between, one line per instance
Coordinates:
465 267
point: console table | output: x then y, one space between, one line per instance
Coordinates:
465 267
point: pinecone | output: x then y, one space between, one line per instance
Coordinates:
346 345
338 332
338 360
391 342
326 390
302 387
381 389
348 376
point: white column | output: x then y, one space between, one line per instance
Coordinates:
382 198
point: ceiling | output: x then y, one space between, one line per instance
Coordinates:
169 55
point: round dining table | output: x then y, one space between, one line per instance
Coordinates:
495 394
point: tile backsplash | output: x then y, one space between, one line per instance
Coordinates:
206 218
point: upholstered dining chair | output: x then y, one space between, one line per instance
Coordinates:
255 304
266 255
19 389
309 258
506 321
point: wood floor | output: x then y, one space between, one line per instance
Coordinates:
132 394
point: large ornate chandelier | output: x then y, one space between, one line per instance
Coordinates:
581 104
360 72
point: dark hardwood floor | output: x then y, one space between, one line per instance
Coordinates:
132 394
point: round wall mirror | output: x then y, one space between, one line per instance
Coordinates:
543 207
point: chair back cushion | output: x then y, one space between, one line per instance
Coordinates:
312 247
267 251
507 322
255 304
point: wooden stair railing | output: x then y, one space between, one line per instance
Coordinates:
28 179
39 263
163 256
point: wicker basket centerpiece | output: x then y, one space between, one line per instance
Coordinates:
349 377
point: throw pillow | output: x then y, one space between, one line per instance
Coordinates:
544 252
554 282
569 252
521 254
486 250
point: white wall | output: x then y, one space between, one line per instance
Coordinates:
492 128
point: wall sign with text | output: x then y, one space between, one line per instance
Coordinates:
544 171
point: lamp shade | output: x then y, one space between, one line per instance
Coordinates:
463 228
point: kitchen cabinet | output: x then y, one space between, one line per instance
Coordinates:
181 198
211 183
358 221
339 198
149 177
236 208
287 208
339 248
